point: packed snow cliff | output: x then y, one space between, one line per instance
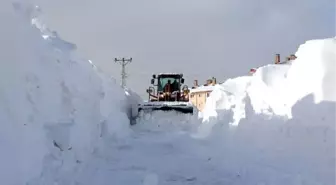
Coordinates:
54 106
275 89
280 121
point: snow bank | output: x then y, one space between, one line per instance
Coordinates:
279 124
54 106
275 89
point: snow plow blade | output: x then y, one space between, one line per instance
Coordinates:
182 107
146 109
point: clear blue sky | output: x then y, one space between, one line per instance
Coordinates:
200 38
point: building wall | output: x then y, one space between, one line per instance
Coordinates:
198 99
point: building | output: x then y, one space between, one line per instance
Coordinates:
198 94
289 59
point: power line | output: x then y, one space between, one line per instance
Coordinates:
123 63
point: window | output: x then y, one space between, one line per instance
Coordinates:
174 80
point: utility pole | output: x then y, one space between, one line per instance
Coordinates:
123 63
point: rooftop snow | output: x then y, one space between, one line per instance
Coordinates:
202 88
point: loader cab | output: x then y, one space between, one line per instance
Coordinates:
164 79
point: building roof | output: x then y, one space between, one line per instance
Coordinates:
202 88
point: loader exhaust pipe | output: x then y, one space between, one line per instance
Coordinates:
277 58
195 83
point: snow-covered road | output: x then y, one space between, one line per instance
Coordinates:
154 156
161 157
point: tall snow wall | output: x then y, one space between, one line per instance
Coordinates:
55 107
274 89
280 122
